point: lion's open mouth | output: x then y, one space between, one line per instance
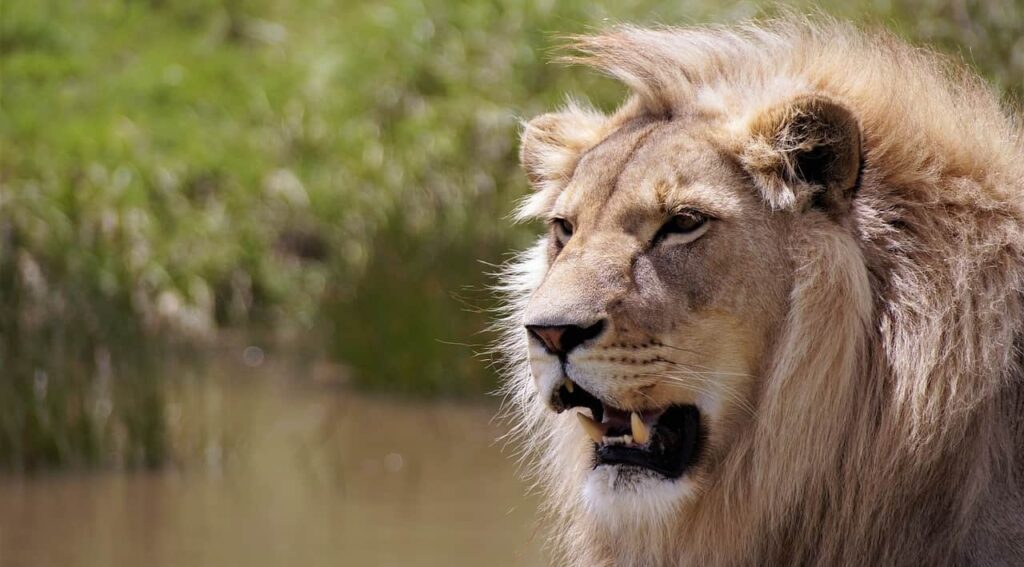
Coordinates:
666 440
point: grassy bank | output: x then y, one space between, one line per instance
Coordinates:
174 167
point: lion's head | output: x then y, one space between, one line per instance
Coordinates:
772 288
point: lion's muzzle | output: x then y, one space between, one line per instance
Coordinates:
667 441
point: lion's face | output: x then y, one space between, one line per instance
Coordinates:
666 279
664 283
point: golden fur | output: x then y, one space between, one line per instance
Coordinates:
853 337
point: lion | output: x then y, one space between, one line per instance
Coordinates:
776 314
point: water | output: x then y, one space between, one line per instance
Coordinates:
277 469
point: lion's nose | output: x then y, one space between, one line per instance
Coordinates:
561 339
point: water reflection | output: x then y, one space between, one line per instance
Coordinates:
285 471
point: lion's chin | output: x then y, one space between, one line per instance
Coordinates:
640 460
616 495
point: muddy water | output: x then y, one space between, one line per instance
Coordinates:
282 471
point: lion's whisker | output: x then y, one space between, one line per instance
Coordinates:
694 383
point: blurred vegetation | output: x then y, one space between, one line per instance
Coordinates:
169 168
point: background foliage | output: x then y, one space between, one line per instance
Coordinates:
339 170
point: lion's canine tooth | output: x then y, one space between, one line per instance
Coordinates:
641 434
592 429
568 385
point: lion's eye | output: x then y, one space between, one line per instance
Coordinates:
563 230
683 227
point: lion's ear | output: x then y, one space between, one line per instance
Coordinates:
806 153
552 143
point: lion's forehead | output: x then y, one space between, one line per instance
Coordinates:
598 177
644 169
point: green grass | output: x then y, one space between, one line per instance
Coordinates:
169 168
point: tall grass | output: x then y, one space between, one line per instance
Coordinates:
172 167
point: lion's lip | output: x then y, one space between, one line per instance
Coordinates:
665 440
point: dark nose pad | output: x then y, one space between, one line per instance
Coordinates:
561 339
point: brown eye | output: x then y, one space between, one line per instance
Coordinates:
685 222
683 227
563 230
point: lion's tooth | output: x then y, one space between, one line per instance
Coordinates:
592 429
640 432
568 385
